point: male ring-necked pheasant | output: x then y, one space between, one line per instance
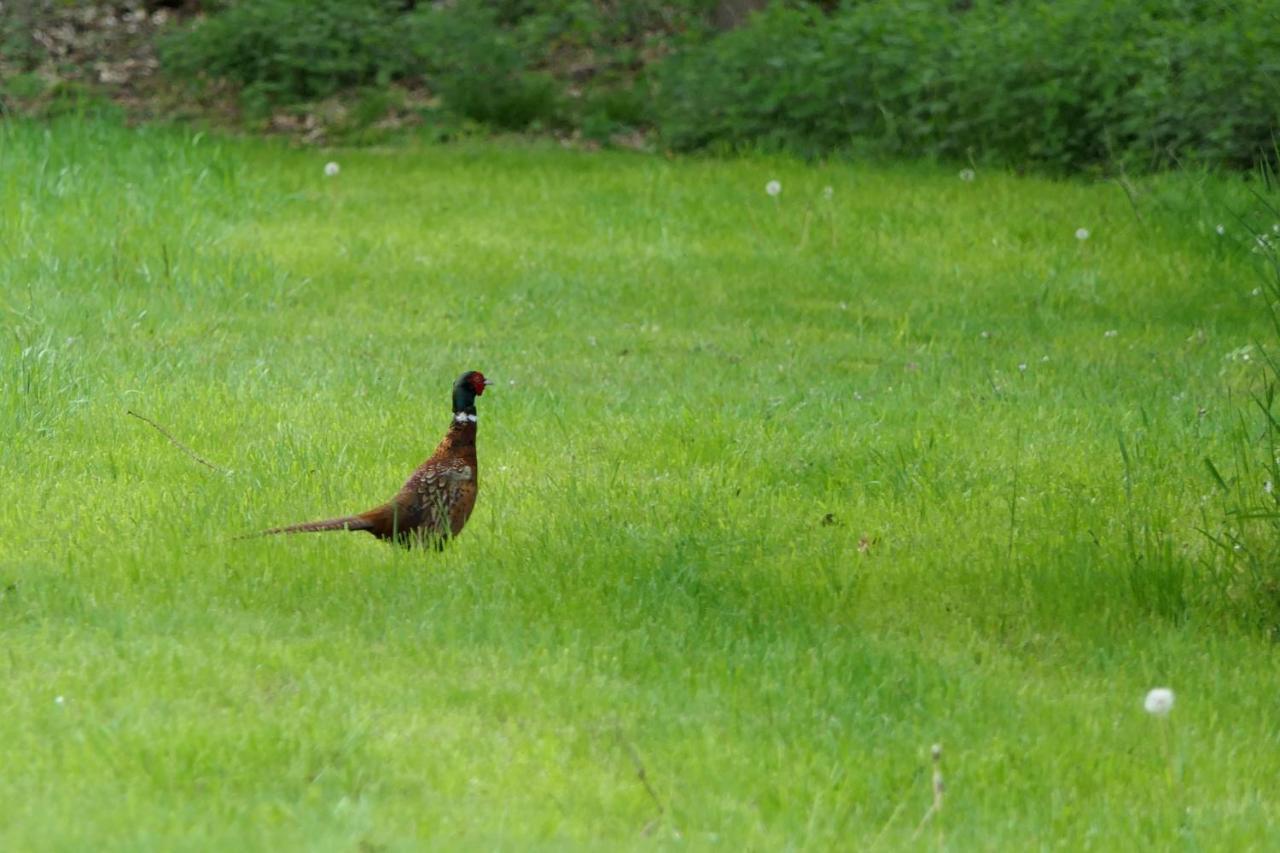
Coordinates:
437 499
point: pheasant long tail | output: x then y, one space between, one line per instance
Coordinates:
346 522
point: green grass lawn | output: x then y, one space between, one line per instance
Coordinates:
775 494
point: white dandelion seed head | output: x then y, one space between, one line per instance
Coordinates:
1159 701
1082 233
967 175
1110 333
1221 229
331 169
828 192
773 188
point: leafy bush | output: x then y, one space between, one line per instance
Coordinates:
481 69
509 64
1065 85
557 62
283 51
18 50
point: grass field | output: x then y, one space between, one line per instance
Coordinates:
776 492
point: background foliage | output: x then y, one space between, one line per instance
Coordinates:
1055 85
1065 85
1087 85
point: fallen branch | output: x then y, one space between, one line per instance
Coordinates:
178 444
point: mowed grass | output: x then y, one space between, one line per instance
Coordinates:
775 494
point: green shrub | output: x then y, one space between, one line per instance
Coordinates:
510 64
746 87
18 50
1067 85
482 70
507 64
285 51
607 110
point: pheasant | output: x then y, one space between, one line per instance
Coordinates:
435 502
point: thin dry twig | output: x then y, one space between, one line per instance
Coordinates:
875 842
1131 193
178 444
643 776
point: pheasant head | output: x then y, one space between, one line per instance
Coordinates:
469 386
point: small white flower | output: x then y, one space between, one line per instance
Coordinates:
1239 353
58 700
967 175
1159 701
1221 229
1275 229
984 335
773 188
1267 487
1082 233
331 169
1110 333
1044 358
1257 291
828 193
1022 366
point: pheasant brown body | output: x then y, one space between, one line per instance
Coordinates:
436 501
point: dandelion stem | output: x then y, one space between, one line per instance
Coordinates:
804 229
935 808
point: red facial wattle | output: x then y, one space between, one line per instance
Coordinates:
478 383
